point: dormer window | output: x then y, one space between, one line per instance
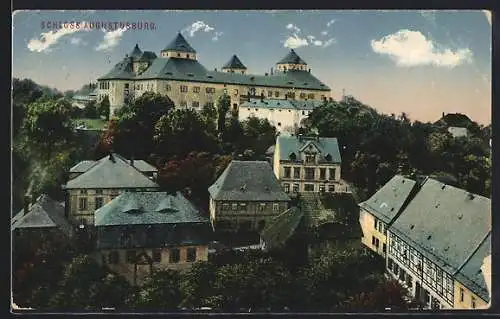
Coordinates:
292 156
310 158
328 157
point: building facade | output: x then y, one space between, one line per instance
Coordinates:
308 164
285 115
177 73
92 184
245 197
139 232
437 244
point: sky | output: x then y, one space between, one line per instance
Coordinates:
419 62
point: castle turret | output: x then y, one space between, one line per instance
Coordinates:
179 48
291 62
234 65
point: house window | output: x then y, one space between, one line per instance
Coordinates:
408 281
389 264
295 188
384 248
196 89
276 207
262 207
332 172
287 172
98 202
191 254
98 191
473 302
277 94
331 188
310 96
286 187
196 104
310 158
210 90
376 223
375 241
243 207
402 275
175 255
184 88
183 103
82 203
210 104
462 294
396 269
130 256
113 257
126 85
302 95
309 173
234 206
309 187
321 188
83 191
167 87
296 172
157 255
322 173
270 93
225 206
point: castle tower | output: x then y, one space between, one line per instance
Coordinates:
179 48
234 65
291 62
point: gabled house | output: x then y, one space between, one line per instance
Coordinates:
308 164
93 184
138 232
379 211
42 214
437 244
245 197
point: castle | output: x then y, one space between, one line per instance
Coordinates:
177 74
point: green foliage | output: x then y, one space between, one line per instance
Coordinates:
91 110
223 105
104 108
160 292
196 285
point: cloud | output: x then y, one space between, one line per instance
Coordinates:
329 42
216 36
50 38
324 32
293 27
411 48
111 39
77 41
429 15
487 13
329 23
294 41
198 26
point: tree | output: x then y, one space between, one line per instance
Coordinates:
104 108
161 291
48 125
197 285
91 110
223 105
259 134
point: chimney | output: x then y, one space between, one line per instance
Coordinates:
262 96
111 157
266 74
215 69
300 137
271 71
309 70
132 161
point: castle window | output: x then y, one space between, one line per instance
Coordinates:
322 188
196 89
98 202
286 187
302 95
295 188
196 104
191 254
126 85
309 187
296 170
183 104
210 90
332 173
322 173
462 293
187 56
270 93
178 55
262 207
310 96
168 87
175 255
82 203
157 255
277 94
287 172
184 88
276 207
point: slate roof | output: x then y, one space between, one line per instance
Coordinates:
179 44
387 202
44 213
234 63
248 181
111 172
471 274
123 70
282 227
293 144
444 223
292 58
308 105
141 165
147 56
194 71
136 52
147 208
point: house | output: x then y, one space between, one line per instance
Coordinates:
438 243
379 212
308 164
177 73
93 184
458 131
285 115
138 232
41 214
245 197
